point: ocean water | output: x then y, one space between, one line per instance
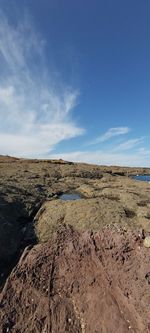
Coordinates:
70 196
145 178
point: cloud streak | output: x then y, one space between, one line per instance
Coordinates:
129 144
112 132
102 157
35 111
127 153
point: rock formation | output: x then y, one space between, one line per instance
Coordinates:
77 266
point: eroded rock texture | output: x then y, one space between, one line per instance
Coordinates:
90 271
80 282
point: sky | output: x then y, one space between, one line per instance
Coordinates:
75 80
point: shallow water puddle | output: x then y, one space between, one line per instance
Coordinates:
69 196
144 178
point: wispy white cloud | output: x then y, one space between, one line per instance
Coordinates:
144 151
129 144
112 132
124 154
102 157
35 109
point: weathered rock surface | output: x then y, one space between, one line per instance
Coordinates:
115 204
83 214
80 282
25 185
147 241
93 275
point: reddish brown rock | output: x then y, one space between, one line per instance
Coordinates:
79 282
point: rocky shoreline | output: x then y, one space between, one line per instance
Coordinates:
113 207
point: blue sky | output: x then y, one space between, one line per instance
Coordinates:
75 80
